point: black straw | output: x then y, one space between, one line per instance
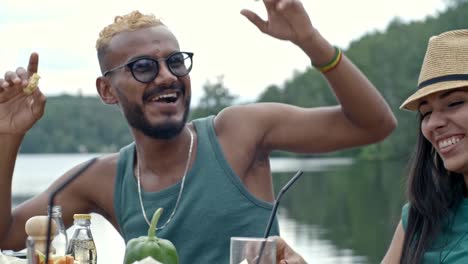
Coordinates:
275 208
51 202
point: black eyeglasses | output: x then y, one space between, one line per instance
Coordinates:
145 69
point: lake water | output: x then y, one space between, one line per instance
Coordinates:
338 212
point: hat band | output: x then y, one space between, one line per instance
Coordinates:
445 78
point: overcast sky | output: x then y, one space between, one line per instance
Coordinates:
224 42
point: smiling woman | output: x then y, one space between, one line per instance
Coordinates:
439 109
433 225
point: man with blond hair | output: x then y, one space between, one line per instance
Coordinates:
212 175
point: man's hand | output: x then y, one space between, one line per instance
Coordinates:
18 109
287 20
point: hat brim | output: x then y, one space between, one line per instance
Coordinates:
412 103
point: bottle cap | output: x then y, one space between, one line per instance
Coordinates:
82 216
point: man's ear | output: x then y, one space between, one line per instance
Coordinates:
105 90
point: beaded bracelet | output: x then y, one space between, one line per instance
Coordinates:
332 63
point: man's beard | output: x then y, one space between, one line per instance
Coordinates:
167 130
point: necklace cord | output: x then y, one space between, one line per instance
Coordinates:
442 260
189 156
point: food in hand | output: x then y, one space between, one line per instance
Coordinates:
32 84
159 249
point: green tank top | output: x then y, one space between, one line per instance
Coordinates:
451 247
214 207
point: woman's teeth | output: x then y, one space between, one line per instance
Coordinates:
448 142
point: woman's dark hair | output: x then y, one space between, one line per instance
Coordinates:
433 193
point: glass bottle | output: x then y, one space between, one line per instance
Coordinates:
81 246
30 251
60 241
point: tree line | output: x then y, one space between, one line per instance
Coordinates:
391 59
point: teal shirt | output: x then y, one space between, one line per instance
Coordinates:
214 207
451 247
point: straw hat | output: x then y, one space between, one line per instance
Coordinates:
445 66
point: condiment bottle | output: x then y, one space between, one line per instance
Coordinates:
60 241
81 246
36 228
31 251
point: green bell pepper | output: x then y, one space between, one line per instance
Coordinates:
161 250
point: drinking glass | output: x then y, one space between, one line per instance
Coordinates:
252 250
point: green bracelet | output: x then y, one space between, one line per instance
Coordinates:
332 63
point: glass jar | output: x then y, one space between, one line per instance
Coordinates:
31 251
60 241
81 246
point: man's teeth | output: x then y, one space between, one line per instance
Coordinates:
165 96
447 142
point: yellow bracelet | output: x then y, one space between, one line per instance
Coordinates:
332 63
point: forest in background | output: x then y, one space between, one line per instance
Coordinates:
391 59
